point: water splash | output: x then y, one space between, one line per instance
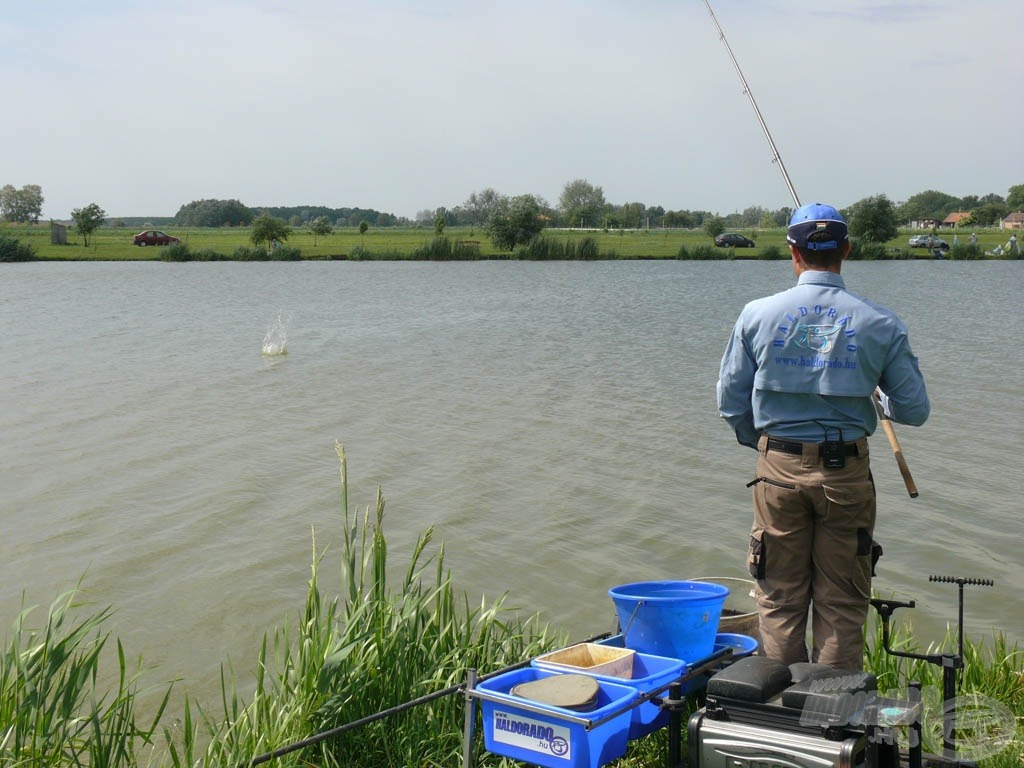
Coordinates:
276 341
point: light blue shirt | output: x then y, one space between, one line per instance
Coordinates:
803 364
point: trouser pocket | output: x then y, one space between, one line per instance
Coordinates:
848 524
756 556
864 565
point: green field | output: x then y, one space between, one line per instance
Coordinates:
114 243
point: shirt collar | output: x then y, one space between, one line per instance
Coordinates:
821 277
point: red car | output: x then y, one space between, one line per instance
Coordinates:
154 237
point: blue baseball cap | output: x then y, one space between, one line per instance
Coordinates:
817 227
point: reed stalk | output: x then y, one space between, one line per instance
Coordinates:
52 708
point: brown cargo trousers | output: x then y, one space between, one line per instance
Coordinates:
811 548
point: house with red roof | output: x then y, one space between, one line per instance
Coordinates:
954 219
1014 221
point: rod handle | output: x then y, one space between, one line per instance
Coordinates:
897 452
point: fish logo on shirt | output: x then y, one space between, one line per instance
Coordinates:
817 338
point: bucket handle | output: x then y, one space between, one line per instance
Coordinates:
639 604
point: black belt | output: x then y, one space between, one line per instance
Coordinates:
797 449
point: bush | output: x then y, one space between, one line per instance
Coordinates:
772 253
285 253
542 248
362 253
587 249
966 252
864 250
701 253
176 252
245 253
208 254
260 253
443 249
12 249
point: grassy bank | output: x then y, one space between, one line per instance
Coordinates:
114 244
357 648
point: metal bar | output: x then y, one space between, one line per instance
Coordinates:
524 704
470 719
914 748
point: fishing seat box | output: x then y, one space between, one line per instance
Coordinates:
760 712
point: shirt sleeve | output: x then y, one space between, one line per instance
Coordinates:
736 387
905 398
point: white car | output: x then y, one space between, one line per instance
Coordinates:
928 241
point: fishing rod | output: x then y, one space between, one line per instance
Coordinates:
890 433
776 157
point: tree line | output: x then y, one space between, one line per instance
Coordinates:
233 213
580 205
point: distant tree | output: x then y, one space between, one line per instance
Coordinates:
363 226
678 219
267 229
440 219
8 202
213 213
320 227
1015 197
632 215
987 214
477 208
714 226
88 220
752 216
929 204
514 221
873 219
21 205
581 203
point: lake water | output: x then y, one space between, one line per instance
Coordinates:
555 422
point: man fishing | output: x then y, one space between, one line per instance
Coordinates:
797 383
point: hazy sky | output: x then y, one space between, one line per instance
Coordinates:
404 105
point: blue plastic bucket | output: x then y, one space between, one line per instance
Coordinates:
677 619
742 645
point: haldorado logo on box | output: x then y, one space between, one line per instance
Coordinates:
518 731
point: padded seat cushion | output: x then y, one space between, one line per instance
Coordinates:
806 670
755 678
831 693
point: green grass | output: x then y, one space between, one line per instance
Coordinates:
53 711
114 244
369 644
